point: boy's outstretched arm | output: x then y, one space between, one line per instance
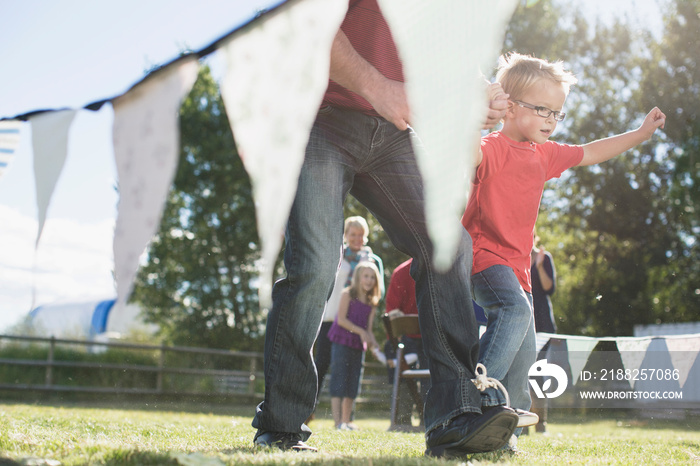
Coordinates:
604 149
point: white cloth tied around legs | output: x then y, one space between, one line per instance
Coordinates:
482 382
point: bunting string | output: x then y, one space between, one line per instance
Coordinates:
277 70
673 352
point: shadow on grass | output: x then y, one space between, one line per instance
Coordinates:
145 458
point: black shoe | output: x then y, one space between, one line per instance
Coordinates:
473 433
282 440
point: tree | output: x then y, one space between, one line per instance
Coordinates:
674 83
624 234
615 230
198 280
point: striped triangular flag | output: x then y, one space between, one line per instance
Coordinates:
9 140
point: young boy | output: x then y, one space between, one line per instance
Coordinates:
512 167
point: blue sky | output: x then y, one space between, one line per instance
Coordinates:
69 53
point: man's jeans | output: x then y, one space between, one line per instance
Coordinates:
508 345
368 157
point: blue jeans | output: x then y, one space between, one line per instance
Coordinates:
347 367
368 157
508 345
322 358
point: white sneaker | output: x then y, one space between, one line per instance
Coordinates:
482 382
526 418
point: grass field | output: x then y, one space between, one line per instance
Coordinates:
197 436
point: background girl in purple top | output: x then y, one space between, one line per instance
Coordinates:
351 335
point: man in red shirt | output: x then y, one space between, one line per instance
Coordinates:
401 296
361 143
402 290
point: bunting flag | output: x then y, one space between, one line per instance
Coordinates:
582 348
684 352
443 45
568 350
9 140
558 353
277 73
541 339
677 352
632 353
146 150
50 147
656 364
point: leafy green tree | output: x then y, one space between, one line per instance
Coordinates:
198 280
674 85
624 234
615 229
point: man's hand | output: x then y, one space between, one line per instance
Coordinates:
390 101
498 104
353 72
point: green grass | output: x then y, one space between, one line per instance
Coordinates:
190 435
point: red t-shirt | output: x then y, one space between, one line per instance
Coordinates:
370 36
505 199
402 291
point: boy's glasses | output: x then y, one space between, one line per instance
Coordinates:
544 112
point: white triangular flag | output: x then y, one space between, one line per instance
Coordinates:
684 351
655 371
542 339
277 73
146 149
579 350
9 140
50 147
632 352
443 45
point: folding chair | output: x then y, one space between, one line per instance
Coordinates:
396 327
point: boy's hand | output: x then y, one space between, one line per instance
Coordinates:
498 104
654 119
604 149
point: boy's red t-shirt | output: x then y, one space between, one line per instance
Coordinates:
505 199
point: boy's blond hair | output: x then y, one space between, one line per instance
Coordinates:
358 222
373 295
517 73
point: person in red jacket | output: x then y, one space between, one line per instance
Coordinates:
401 296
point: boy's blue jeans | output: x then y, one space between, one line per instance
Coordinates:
508 345
368 157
